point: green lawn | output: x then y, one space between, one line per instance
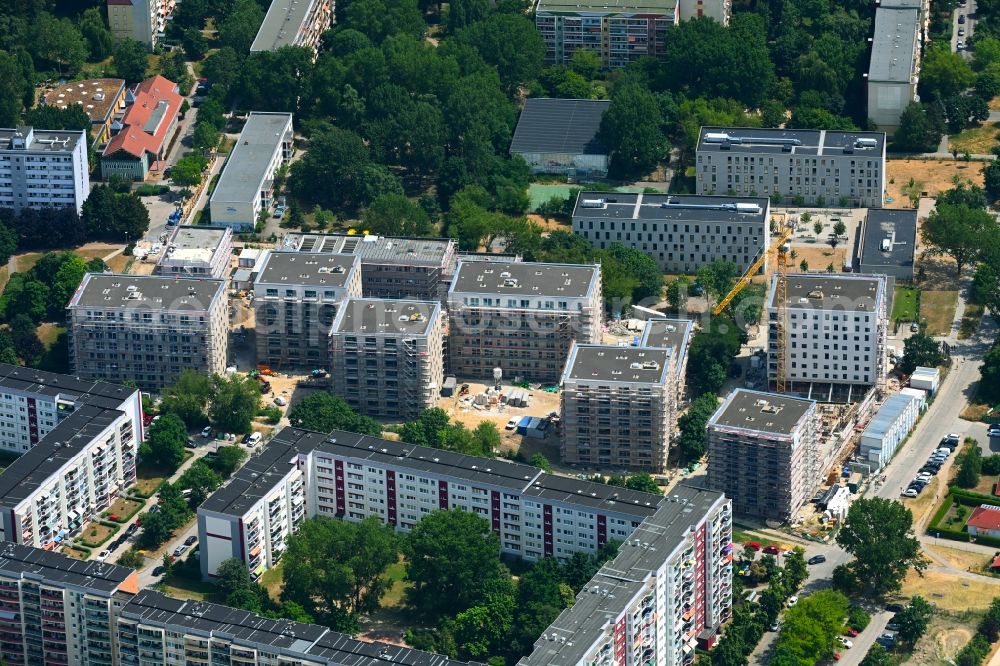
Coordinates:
184 588
273 582
742 536
397 592
540 193
904 304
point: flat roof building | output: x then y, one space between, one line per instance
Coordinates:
681 233
102 99
115 321
889 243
763 449
889 428
43 169
296 297
387 357
894 67
521 317
245 190
560 136
197 251
293 23
813 166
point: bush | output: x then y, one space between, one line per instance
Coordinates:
270 414
858 618
150 190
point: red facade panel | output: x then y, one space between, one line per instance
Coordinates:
495 510
338 467
443 495
547 517
390 490
602 530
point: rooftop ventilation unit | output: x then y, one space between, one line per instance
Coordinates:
866 143
712 137
592 203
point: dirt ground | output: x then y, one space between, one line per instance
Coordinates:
938 309
960 559
945 636
820 256
951 592
938 273
934 177
549 223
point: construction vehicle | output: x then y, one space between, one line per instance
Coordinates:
265 369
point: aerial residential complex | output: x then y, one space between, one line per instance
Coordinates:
296 296
834 330
894 68
150 121
763 449
681 232
387 357
391 267
355 476
668 591
197 251
43 169
141 20
102 99
814 167
245 190
147 328
293 23
520 317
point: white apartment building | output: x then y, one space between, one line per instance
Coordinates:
764 451
296 298
245 190
197 251
520 317
141 20
804 167
387 357
147 328
834 329
354 476
680 232
295 23
58 610
43 169
77 471
668 591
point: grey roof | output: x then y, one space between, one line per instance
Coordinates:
894 44
246 167
661 536
375 249
560 126
146 292
54 141
756 140
594 496
671 207
673 333
197 237
900 227
525 279
306 268
611 363
887 414
259 476
382 316
813 291
666 7
41 462
341 649
98 393
917 4
756 411
38 565
281 24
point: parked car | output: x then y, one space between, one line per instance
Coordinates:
853 633
207 432
280 402
914 327
909 492
961 18
924 476
154 509
792 600
993 430
961 32
775 626
752 545
960 45
255 439
103 555
951 440
179 550
772 550
817 559
944 451
191 540
191 444
895 608
511 424
892 626
846 642
159 571
246 438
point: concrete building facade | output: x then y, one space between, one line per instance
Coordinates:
141 20
296 298
520 317
763 449
834 330
894 67
147 328
387 357
293 23
245 190
680 232
815 167
43 169
197 251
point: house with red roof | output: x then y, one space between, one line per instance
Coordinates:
985 521
149 123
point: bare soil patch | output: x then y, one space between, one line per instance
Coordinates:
934 176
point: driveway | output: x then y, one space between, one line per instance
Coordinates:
969 11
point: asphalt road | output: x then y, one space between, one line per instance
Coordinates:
968 11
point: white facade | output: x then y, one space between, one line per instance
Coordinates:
889 427
926 379
718 10
43 169
197 251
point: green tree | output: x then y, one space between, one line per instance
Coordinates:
959 232
718 277
228 460
677 293
944 73
395 215
878 534
165 445
586 63
693 441
645 276
989 626
541 462
795 570
379 19
201 480
922 350
325 413
512 44
877 656
643 483
205 137
632 129
130 60
914 619
58 41
235 403
809 633
839 228
970 467
132 559
919 131
428 429
711 352
188 398
991 176
465 12
452 560
189 170
238 29
194 43
95 31
12 86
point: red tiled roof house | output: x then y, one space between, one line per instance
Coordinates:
985 521
148 125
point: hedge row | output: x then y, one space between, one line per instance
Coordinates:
965 498
124 519
115 528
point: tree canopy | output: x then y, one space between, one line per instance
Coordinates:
325 413
165 446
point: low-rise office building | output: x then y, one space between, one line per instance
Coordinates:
680 232
811 167
391 266
245 190
293 23
147 329
560 136
102 99
150 122
58 610
43 169
763 452
296 297
614 406
889 243
197 251
520 317
834 329
387 357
